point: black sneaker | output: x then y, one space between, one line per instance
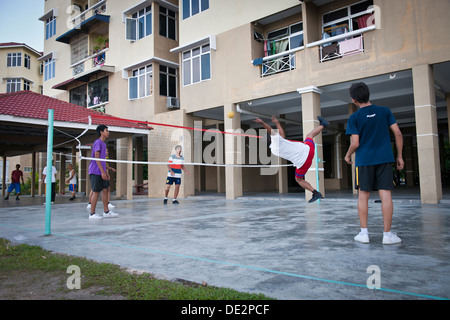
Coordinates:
71 199
17 198
6 198
175 202
323 122
165 201
315 197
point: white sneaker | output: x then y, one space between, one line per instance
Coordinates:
110 214
88 206
111 206
95 217
392 238
362 237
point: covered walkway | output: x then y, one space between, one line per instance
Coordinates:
24 126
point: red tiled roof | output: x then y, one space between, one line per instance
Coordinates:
29 104
7 44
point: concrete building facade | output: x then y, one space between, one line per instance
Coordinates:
189 63
20 68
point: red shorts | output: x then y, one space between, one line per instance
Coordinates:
300 172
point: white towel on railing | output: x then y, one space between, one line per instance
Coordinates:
350 46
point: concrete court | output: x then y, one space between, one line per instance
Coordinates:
276 245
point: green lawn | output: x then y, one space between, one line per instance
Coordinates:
30 270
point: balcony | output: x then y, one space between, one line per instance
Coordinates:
343 48
98 8
85 21
343 45
96 60
277 63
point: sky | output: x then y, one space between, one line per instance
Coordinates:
19 22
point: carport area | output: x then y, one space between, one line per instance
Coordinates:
419 98
24 130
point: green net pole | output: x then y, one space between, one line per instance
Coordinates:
48 176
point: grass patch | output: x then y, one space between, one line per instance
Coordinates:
29 272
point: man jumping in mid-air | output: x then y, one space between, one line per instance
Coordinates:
300 154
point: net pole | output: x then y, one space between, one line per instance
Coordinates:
317 170
48 186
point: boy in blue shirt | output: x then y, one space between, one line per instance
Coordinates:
370 139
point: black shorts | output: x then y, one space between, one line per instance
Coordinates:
172 180
376 177
97 183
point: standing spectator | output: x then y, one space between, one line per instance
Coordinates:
370 139
44 173
99 176
72 181
16 176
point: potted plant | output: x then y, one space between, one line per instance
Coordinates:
100 40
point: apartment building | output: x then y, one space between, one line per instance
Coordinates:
190 62
20 68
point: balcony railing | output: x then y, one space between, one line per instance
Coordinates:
280 62
277 65
342 49
98 8
98 59
342 45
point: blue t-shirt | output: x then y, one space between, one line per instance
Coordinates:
372 124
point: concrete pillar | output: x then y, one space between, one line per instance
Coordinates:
282 175
447 98
408 157
33 174
125 170
220 150
310 111
83 172
233 175
62 174
427 134
352 108
42 159
4 176
188 181
138 156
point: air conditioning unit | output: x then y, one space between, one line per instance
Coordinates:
172 103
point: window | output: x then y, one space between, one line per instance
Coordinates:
345 19
49 69
50 27
167 23
14 59
139 25
284 39
27 61
167 81
79 49
192 7
196 65
26 85
98 92
78 96
12 85
140 84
